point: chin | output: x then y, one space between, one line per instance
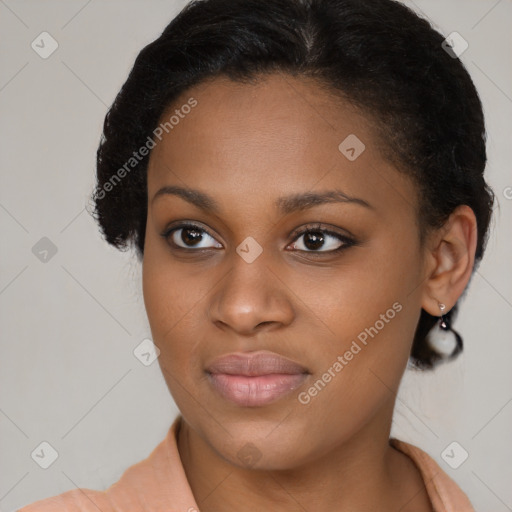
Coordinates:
266 445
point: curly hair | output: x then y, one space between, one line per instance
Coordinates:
376 54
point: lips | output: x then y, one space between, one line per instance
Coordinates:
256 378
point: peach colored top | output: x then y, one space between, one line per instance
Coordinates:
159 484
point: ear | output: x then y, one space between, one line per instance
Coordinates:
450 260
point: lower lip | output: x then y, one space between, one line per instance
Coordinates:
255 391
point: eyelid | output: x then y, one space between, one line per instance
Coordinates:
318 226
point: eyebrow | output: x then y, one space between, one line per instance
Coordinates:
285 204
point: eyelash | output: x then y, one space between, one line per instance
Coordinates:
313 228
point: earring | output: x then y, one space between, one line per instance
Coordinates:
443 338
443 323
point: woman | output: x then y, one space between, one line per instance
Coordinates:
303 183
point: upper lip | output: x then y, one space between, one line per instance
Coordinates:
253 364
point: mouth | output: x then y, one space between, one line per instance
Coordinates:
254 379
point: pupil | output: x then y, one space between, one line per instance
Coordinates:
189 237
313 241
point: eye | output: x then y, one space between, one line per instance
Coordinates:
320 240
316 239
190 236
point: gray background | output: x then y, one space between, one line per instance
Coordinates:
69 325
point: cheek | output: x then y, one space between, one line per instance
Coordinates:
357 375
171 302
366 313
170 306
360 297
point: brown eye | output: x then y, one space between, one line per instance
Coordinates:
314 240
190 236
321 241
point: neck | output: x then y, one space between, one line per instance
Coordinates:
362 473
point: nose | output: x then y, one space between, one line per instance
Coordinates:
251 298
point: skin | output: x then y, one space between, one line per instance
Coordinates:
245 145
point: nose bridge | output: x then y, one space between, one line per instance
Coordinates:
247 286
250 264
251 294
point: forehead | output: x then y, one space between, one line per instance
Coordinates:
252 142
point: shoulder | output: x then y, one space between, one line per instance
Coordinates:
76 500
151 482
443 491
134 484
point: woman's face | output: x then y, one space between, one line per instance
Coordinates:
279 345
